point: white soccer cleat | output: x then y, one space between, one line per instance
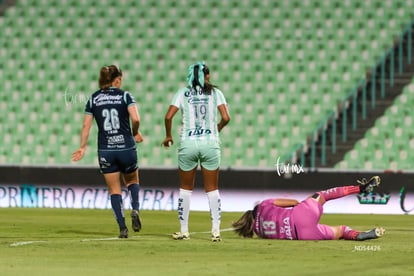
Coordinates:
215 237
181 236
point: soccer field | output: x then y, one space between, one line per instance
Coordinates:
83 242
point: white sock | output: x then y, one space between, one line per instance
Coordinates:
215 210
184 209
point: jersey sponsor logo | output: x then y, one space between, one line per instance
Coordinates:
118 139
102 99
286 228
199 131
193 92
115 147
197 101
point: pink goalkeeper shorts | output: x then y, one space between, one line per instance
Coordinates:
305 218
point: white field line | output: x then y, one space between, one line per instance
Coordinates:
109 239
208 232
22 243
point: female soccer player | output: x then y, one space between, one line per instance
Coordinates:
199 143
293 220
113 109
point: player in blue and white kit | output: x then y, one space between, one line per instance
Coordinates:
113 109
200 103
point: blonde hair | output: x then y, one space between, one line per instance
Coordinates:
107 75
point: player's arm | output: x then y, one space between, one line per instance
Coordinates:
285 202
135 121
225 116
87 124
168 141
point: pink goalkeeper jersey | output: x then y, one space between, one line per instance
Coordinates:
273 222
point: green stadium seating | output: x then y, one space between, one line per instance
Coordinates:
389 143
283 66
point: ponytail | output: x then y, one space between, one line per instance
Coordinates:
244 226
107 75
105 78
195 77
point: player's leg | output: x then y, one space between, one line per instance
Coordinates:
305 219
211 188
131 181
110 170
347 233
187 179
187 163
337 232
327 232
210 162
338 192
307 214
129 163
114 186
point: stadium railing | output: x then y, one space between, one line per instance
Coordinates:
349 103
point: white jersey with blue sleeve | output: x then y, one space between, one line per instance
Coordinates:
199 112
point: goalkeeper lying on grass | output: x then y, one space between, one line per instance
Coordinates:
293 220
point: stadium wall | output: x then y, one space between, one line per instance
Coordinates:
83 187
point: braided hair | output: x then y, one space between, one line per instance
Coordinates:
195 77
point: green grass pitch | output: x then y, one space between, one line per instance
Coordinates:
83 242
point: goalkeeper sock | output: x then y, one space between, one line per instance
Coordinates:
215 210
133 190
338 192
118 209
184 209
348 233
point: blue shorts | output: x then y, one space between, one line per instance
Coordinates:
205 152
124 161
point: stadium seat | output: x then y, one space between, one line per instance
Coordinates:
390 139
267 60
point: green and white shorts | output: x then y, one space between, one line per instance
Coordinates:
193 152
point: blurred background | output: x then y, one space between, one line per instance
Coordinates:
324 84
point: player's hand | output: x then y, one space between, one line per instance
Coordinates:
168 141
78 154
138 138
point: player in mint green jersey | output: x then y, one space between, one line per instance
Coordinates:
204 113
